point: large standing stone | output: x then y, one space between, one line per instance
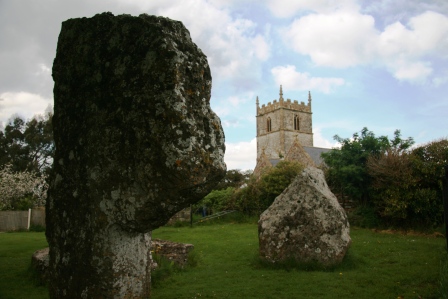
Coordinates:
136 141
305 223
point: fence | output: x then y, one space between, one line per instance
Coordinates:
21 220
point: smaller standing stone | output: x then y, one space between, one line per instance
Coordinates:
305 223
40 261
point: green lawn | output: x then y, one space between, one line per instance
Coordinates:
16 280
377 266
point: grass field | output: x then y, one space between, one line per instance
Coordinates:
378 265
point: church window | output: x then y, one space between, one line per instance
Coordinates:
296 123
268 125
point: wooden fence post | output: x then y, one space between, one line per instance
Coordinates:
29 219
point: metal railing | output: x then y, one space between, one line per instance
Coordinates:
213 216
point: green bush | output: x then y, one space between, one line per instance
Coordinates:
261 192
364 216
37 228
407 185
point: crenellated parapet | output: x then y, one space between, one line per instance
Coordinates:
286 104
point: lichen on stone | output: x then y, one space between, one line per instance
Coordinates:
133 146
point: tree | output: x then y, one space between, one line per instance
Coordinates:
38 137
217 200
28 146
234 178
21 190
393 182
407 184
261 192
346 171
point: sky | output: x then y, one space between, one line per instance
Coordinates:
380 64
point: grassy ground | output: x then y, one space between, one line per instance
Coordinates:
378 265
16 279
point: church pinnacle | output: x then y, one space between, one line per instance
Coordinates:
281 93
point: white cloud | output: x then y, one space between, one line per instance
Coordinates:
293 80
404 49
320 141
261 47
411 71
344 39
233 47
340 39
288 8
24 104
241 155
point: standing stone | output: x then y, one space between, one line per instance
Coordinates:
305 223
136 141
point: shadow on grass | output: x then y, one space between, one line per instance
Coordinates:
350 262
443 279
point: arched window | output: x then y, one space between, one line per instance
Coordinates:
268 125
296 123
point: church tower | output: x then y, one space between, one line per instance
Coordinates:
282 123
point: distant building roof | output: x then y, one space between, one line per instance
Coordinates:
315 153
274 162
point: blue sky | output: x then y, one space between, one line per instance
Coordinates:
379 64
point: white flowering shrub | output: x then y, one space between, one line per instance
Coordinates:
21 189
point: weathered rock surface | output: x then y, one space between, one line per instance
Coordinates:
136 141
305 223
40 261
173 251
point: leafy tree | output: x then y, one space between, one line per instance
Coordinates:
21 190
234 178
276 180
428 163
218 200
261 192
38 137
392 183
26 154
346 171
28 146
407 184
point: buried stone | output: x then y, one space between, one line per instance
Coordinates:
136 141
305 224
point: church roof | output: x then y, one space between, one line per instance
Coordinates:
315 153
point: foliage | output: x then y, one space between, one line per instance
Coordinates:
21 190
364 216
347 171
26 154
234 178
28 146
407 184
260 193
217 200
